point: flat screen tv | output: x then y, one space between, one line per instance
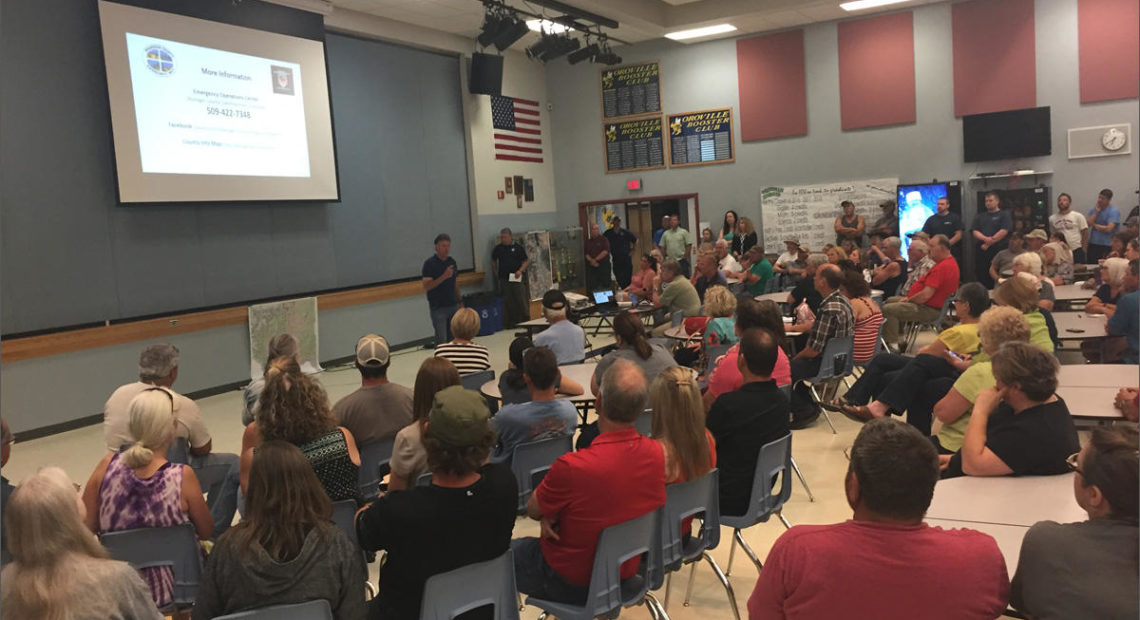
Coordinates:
1007 135
917 202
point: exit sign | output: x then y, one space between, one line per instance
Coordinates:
633 184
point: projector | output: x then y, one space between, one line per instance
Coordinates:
576 301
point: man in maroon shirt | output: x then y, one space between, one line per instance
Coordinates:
619 477
884 562
597 260
924 300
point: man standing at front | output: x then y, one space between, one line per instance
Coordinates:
923 300
508 259
619 477
835 319
621 248
597 260
1103 220
677 244
946 223
441 281
991 231
1073 225
846 569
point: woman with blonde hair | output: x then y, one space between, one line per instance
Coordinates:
679 425
1112 274
1028 265
1021 293
467 356
139 488
720 307
59 571
295 408
745 237
409 457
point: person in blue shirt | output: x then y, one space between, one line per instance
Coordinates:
1125 320
441 282
541 418
991 231
1104 219
564 338
665 224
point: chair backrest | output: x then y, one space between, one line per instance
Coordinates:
616 544
373 456
878 344
312 610
424 479
533 459
775 459
178 451
712 352
837 359
677 318
644 423
947 307
475 380
684 500
344 516
175 546
450 594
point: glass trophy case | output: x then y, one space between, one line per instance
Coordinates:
567 258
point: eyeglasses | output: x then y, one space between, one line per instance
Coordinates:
1072 463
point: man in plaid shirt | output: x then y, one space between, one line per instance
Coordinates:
834 320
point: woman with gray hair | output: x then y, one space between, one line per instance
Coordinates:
281 345
1112 274
1028 265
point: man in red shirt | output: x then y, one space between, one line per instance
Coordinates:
619 477
884 562
924 300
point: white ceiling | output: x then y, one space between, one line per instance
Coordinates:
640 20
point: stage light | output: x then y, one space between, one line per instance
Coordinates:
513 30
492 26
586 53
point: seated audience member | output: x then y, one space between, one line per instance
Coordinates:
1132 250
409 458
158 367
923 300
804 292
467 356
1022 294
755 271
6 488
295 408
918 262
866 312
379 408
140 488
791 255
59 570
956 574
834 320
707 274
286 549
674 294
281 345
744 420
540 418
725 261
679 426
1057 263
891 273
512 385
713 329
1112 274
851 251
620 477
1128 402
1125 321
641 284
1028 265
563 337
1019 426
1119 245
1087 569
465 516
750 314
1002 265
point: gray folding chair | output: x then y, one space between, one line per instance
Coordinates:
475 381
608 592
775 459
910 333
458 591
836 362
787 390
344 516
312 610
644 423
175 546
373 456
533 459
700 496
424 479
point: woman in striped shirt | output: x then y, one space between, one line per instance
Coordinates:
467 356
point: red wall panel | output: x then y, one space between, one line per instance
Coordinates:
1109 49
995 65
876 71
773 90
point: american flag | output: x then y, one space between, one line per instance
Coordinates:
518 133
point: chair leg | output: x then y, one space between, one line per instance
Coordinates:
371 589
818 399
731 553
796 468
656 610
724 582
692 578
668 587
783 520
748 550
521 606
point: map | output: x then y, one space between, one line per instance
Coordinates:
295 316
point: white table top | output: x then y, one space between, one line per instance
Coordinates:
778 297
1091 402
1006 500
1008 538
582 373
678 332
1114 376
1089 326
1072 292
539 322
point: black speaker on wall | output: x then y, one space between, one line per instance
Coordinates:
486 74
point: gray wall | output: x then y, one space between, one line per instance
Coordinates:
702 76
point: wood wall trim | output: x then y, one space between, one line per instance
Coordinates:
15 349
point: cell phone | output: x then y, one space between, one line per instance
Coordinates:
955 356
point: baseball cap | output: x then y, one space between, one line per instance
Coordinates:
792 239
372 350
1037 234
554 300
918 234
458 416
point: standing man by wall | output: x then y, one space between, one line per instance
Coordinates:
677 244
1103 219
621 248
946 223
508 259
991 231
441 282
597 260
1073 225
665 219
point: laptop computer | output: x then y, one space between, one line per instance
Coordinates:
604 299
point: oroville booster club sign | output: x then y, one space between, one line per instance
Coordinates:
631 90
703 137
634 145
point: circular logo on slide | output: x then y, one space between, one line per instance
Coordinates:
159 60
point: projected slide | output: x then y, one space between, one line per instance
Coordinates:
205 111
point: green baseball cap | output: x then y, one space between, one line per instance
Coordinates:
459 417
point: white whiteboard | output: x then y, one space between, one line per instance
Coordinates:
809 211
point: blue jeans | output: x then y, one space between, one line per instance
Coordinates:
534 577
441 323
220 477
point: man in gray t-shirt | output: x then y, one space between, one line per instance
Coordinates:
541 418
564 338
379 409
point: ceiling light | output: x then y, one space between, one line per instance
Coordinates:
859 5
545 25
492 26
513 30
703 32
585 53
